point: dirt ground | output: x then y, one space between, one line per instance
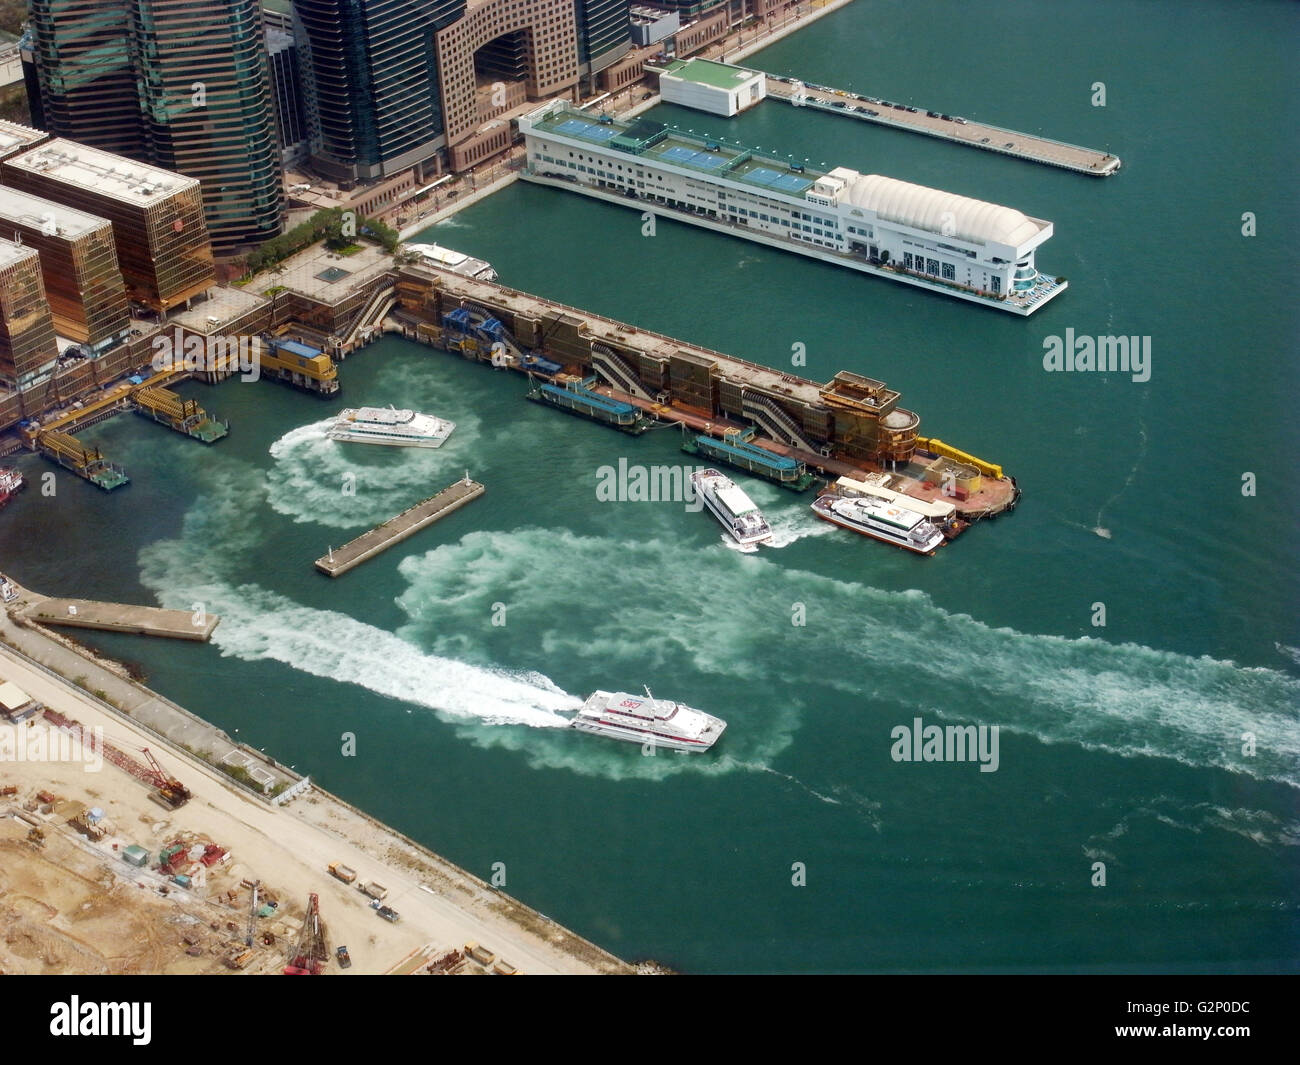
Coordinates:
73 905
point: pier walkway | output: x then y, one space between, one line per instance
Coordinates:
122 617
953 128
396 529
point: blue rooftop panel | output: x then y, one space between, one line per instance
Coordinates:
576 127
749 452
591 399
294 348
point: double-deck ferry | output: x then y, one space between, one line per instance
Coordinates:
658 722
886 522
386 425
728 503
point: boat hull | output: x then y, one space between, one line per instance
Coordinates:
620 732
648 721
354 438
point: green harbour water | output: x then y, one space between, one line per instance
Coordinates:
1119 744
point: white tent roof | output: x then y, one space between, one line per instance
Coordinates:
929 209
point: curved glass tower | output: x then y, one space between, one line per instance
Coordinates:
179 84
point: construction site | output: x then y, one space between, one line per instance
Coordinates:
122 854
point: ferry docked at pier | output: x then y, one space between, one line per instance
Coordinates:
659 722
11 483
728 503
882 521
455 261
387 425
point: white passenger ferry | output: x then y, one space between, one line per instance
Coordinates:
456 261
659 722
387 425
728 503
881 521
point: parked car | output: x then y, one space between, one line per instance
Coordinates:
345 959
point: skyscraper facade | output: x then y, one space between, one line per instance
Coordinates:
604 33
371 83
181 84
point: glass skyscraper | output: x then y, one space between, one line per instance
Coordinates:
373 101
180 84
604 32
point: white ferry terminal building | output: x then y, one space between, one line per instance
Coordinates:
955 245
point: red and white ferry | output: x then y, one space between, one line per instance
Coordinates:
648 720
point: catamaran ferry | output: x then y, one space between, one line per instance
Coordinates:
881 521
659 722
387 425
743 521
455 261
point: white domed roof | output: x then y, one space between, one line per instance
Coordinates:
928 209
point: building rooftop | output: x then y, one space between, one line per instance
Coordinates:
668 144
941 212
103 172
224 304
22 208
707 72
322 274
11 253
15 137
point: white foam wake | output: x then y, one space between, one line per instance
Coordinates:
258 624
346 485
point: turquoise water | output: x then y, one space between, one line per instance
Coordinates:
1119 744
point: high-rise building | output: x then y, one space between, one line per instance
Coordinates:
524 46
604 33
78 263
371 83
28 347
162 240
286 87
181 84
80 79
205 93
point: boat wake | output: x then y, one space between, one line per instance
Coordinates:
621 613
1292 653
1099 528
346 485
260 624
665 611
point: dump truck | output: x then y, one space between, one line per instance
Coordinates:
373 889
342 872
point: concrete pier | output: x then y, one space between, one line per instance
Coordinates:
947 127
396 529
123 617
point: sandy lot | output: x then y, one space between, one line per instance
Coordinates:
74 906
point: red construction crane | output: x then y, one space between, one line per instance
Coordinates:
170 790
311 952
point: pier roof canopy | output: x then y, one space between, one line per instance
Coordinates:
943 213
